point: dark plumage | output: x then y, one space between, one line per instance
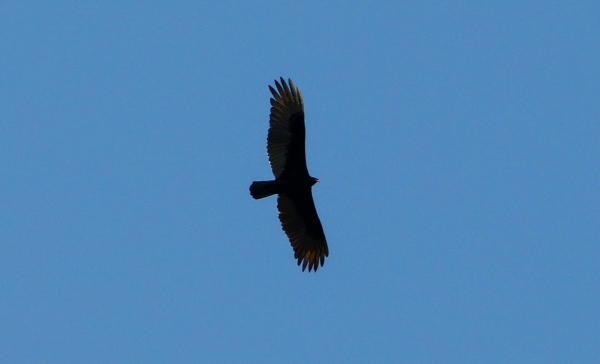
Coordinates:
292 183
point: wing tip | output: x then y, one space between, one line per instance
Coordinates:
312 259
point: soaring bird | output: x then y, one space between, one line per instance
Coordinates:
292 183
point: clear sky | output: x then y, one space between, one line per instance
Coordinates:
457 144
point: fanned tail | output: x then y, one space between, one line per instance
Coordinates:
262 189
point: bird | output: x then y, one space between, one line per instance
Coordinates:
292 184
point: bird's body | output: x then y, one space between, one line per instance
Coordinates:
292 183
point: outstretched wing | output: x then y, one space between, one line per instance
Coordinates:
301 224
285 140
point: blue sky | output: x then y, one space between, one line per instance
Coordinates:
457 146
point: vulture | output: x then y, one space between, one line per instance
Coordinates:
292 183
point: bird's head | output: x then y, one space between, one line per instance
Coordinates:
313 180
